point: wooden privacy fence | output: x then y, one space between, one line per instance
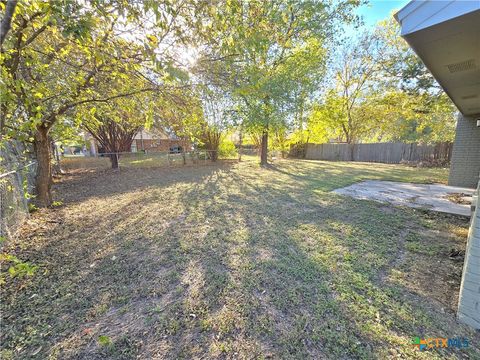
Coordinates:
389 153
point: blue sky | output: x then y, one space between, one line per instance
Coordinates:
373 12
378 10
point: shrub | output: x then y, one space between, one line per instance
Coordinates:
227 149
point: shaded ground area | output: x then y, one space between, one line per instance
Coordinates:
234 261
143 160
436 197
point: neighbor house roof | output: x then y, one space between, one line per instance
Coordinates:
152 134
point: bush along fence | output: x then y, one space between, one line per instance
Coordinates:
438 154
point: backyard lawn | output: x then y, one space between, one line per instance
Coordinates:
234 261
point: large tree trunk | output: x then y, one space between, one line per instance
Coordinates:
240 145
184 155
114 160
44 167
214 155
264 148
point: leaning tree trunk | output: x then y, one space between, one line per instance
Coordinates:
43 180
264 148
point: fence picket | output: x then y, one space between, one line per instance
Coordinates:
390 153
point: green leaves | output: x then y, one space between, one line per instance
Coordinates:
17 267
149 117
63 49
270 52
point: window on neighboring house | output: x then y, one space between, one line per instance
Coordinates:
133 147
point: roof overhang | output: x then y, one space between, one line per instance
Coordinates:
446 36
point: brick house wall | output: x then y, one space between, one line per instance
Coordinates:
158 145
464 171
465 163
469 298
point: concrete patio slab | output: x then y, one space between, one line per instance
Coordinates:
435 197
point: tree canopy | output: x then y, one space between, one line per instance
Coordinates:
198 70
381 92
61 55
268 55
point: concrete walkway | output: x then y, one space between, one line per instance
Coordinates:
434 197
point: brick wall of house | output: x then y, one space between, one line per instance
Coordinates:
465 163
469 299
157 145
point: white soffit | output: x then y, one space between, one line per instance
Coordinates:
446 36
420 14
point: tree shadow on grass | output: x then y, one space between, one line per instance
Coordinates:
282 297
228 263
286 280
109 267
100 184
329 175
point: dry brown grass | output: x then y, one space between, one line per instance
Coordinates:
233 261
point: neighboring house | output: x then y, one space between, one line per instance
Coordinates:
146 141
446 36
158 140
